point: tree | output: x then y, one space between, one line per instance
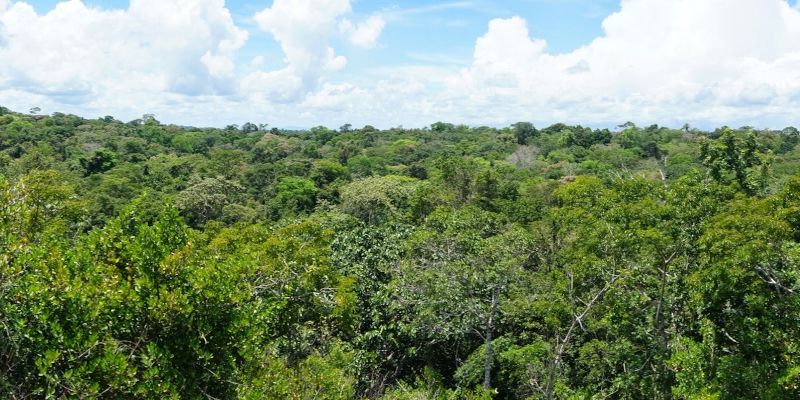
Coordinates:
524 131
441 127
322 134
206 199
791 137
250 127
325 172
744 292
366 255
294 195
458 273
378 199
457 174
38 202
649 263
101 161
736 158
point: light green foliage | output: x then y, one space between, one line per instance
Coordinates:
206 199
294 196
459 271
191 142
441 263
745 279
736 158
377 199
316 377
39 202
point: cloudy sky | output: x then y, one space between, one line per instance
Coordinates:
301 63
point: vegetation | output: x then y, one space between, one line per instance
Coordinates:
143 260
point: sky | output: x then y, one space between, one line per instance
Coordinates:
389 63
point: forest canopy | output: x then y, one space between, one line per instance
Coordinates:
146 260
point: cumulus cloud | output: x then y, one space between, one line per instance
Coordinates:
665 61
304 29
364 34
165 55
174 46
658 60
281 86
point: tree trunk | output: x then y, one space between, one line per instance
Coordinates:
487 369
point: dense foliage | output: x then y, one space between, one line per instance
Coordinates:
142 260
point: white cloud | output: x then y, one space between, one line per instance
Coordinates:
364 34
663 61
281 86
170 57
336 97
658 61
218 66
304 29
176 46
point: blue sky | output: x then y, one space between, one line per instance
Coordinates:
302 63
566 24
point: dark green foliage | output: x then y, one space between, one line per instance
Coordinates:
101 161
143 260
524 131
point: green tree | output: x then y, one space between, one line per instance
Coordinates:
458 275
325 172
524 131
101 161
205 199
294 195
378 199
746 278
736 158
